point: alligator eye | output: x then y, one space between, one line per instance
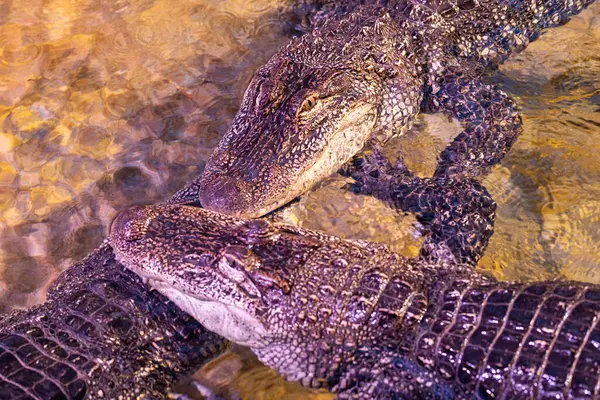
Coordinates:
309 103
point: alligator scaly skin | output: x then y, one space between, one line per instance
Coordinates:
102 333
363 321
40 358
362 75
490 340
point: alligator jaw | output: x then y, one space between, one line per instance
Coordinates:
232 322
287 176
185 271
226 195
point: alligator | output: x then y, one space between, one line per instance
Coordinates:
102 333
364 322
359 78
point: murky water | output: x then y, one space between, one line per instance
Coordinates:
108 104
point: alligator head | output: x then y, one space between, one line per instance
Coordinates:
300 299
307 111
199 261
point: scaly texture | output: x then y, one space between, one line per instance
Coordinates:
361 320
362 75
458 215
101 334
489 340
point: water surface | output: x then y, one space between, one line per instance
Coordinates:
108 104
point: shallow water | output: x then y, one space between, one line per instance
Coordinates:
108 104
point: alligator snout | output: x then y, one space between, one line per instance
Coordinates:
122 222
226 195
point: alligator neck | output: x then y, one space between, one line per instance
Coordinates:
343 300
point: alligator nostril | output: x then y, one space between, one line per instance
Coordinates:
122 224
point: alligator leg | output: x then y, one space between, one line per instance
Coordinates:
490 119
391 375
458 214
101 334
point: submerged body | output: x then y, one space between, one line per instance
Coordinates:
361 320
362 75
102 334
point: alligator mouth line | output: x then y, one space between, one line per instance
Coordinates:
230 321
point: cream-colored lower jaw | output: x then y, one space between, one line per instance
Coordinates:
229 321
352 134
350 137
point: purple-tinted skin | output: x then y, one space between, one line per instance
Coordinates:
362 321
360 77
101 334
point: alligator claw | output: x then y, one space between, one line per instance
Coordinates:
373 172
369 170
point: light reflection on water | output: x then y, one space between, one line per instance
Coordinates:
107 104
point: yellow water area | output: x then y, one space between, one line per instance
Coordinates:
105 104
108 104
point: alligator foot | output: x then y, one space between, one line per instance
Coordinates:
492 123
457 215
372 172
